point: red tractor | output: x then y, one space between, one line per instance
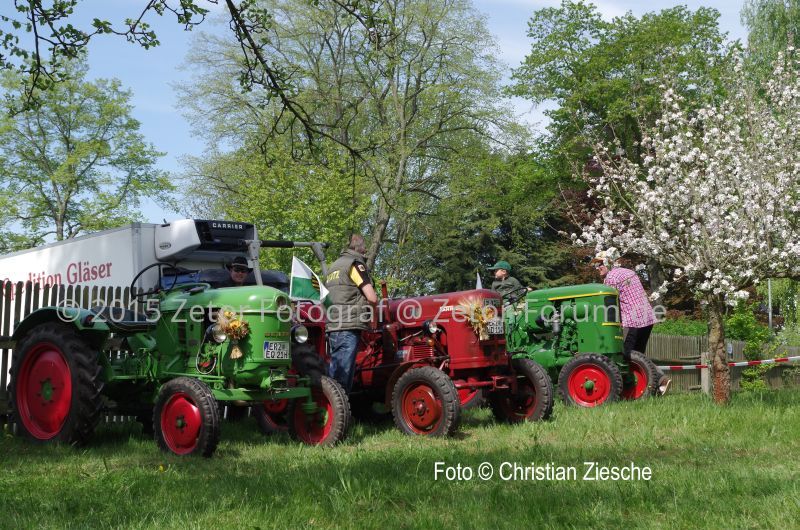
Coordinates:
426 357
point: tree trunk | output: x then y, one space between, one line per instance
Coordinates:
377 235
720 372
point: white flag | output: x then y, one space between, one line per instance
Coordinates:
304 284
478 282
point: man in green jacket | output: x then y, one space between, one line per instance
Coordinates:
505 284
352 302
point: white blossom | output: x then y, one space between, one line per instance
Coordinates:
717 198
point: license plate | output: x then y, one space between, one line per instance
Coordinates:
495 326
276 350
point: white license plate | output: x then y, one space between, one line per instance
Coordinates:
495 326
276 350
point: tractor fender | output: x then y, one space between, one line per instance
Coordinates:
398 373
95 333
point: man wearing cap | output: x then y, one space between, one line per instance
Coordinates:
352 299
239 270
636 313
504 283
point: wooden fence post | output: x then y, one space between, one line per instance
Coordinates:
705 373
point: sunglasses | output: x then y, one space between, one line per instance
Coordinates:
239 269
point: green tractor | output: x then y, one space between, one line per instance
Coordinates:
194 350
575 333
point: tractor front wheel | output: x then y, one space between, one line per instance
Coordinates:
271 416
645 378
55 385
329 423
186 418
425 401
533 400
589 380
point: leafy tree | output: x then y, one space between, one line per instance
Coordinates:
604 76
402 105
285 198
39 38
771 25
500 206
718 199
75 163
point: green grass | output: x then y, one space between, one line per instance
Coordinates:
732 467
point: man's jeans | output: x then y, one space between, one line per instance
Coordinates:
343 356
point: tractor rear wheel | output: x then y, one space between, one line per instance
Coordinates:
645 375
271 416
55 385
589 380
186 418
328 425
425 401
533 400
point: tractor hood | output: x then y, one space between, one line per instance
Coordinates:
570 291
249 299
439 306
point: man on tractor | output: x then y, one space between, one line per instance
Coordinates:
637 314
239 269
352 300
505 284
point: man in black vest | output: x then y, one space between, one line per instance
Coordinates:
352 301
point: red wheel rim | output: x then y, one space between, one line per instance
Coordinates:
180 423
276 406
44 391
314 428
275 413
522 404
466 395
636 390
422 411
589 385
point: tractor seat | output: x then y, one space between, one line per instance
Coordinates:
123 320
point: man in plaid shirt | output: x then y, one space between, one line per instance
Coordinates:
634 306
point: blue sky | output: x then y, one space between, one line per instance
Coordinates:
151 74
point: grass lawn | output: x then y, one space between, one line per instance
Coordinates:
733 467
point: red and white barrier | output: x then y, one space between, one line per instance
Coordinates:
732 365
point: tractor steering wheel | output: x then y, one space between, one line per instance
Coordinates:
157 289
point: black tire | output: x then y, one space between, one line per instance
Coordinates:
643 367
196 435
307 362
534 398
272 417
46 356
321 428
587 366
416 397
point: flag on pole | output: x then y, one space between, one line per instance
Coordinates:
304 284
478 282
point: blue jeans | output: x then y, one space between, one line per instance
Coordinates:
343 356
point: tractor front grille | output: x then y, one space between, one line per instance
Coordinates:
420 351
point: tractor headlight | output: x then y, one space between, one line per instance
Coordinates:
300 334
215 333
430 327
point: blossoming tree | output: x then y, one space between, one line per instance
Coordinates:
717 200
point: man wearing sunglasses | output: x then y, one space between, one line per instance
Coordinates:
238 270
